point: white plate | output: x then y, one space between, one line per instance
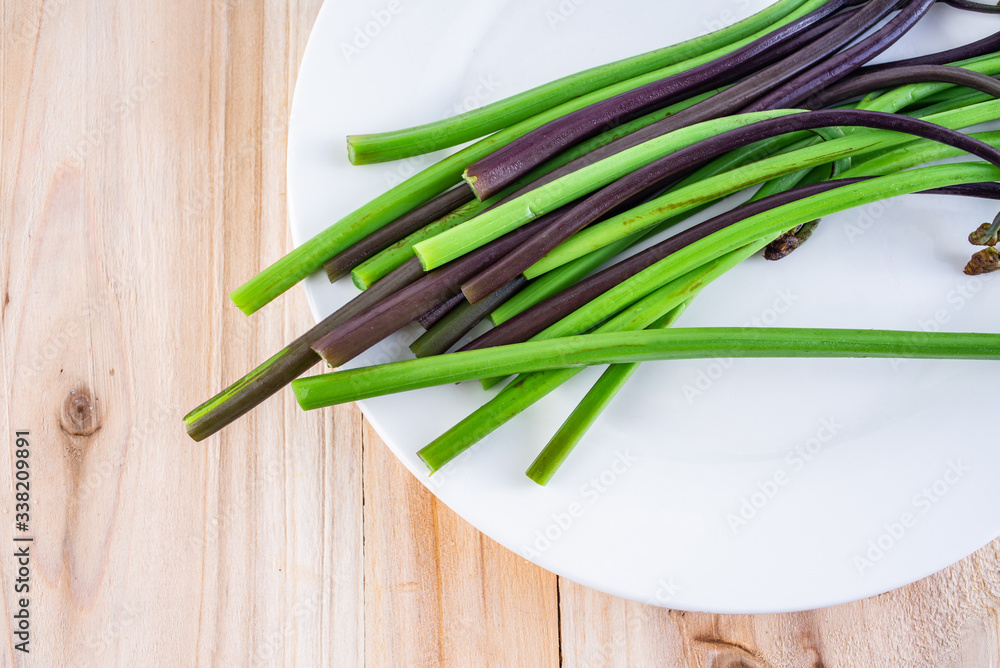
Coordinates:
884 472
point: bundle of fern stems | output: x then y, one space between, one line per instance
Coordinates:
533 228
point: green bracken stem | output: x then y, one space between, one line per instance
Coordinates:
385 146
626 347
904 96
952 99
373 269
492 224
918 153
588 410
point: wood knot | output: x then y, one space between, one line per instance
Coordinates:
79 415
718 653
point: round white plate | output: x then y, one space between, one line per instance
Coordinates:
727 486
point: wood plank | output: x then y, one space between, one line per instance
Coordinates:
945 621
438 592
148 177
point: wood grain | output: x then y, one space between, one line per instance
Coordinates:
441 590
142 174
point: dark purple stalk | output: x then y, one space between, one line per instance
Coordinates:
978 190
434 315
541 316
817 78
292 361
341 265
501 168
973 6
978 48
460 322
577 216
437 287
900 76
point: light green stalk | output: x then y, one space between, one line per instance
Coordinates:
384 146
492 224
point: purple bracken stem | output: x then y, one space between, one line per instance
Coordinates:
292 361
437 287
341 264
810 82
460 322
978 48
979 190
434 315
973 6
900 76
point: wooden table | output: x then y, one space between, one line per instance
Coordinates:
143 178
